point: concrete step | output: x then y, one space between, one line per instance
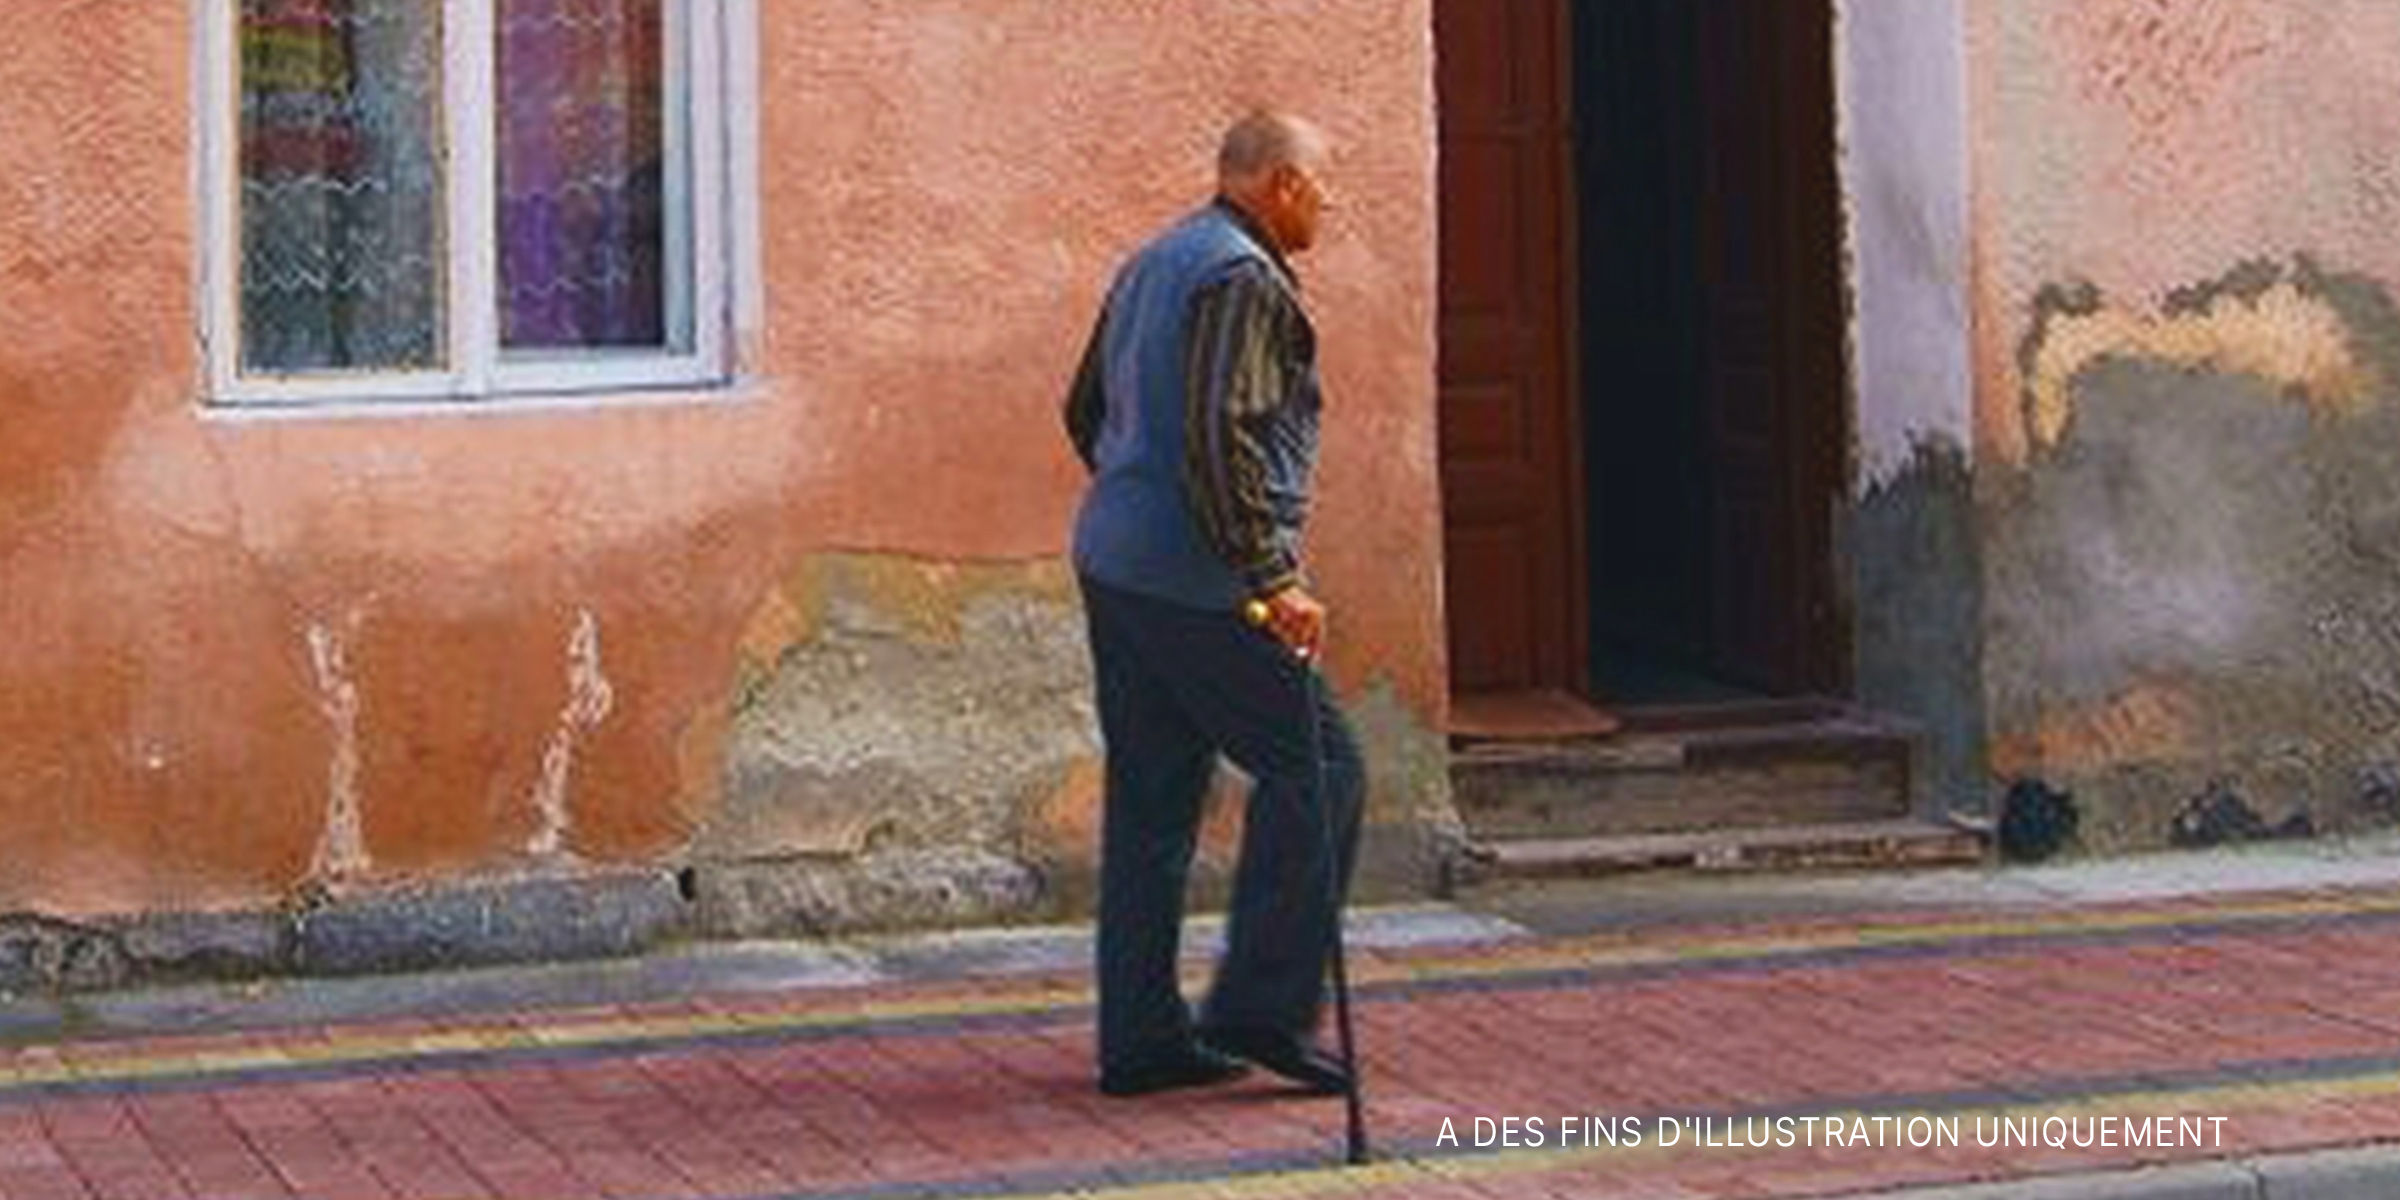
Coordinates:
1821 768
1861 844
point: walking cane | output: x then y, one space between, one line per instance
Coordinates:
1355 1133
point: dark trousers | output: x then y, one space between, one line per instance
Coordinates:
1177 687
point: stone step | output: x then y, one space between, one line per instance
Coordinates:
1837 768
1861 844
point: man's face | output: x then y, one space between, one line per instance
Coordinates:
1301 202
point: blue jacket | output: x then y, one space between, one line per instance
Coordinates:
1197 409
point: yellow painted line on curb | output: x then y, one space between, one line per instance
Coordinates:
369 1049
1022 999
2231 1101
1600 954
459 1042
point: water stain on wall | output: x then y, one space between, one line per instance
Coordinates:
1914 559
897 729
2188 580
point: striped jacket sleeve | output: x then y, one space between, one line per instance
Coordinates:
1239 369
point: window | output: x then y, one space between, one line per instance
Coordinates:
463 198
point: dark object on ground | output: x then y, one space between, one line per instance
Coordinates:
2036 820
2379 790
2220 817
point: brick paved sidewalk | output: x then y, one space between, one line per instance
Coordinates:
2253 1025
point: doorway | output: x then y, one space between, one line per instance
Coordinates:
1642 378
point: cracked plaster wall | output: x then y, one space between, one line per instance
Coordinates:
2185 353
257 659
915 743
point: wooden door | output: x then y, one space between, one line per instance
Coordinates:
1510 491
1771 375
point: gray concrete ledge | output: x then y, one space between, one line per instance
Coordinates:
579 912
672 972
2365 1173
532 918
614 912
1670 898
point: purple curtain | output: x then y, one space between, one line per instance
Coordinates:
582 212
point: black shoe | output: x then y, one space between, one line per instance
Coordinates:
1192 1066
1286 1054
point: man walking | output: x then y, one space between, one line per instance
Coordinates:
1196 409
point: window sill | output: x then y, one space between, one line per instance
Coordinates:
741 391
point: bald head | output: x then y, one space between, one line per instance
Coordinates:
1263 141
1268 166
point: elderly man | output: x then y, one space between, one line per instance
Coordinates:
1196 410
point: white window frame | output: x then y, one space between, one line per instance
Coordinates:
698 36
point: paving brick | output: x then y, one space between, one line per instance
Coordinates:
627 1173
42 1183
865 1108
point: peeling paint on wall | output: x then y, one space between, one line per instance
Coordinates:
589 699
1413 838
913 741
341 852
2256 322
890 706
2189 590
2146 722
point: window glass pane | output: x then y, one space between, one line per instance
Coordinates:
341 185
587 225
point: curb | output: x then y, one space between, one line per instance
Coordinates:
2367 1173
535 918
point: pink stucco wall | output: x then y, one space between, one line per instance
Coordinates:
2148 145
2183 259
197 606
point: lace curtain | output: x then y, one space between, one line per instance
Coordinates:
343 252
341 188
582 229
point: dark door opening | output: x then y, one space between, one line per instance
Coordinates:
1640 257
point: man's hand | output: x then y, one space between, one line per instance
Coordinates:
1292 617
